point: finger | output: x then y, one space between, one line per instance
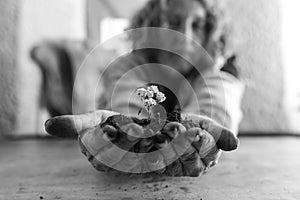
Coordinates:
179 147
110 155
207 148
114 153
173 129
71 125
182 143
206 144
212 158
93 139
155 162
106 152
174 169
95 163
134 131
188 124
97 144
145 145
190 159
130 163
192 164
84 150
193 134
99 166
160 140
224 138
148 133
110 133
62 126
166 149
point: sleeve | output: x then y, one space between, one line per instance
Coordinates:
219 95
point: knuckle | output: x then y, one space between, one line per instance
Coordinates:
110 133
133 129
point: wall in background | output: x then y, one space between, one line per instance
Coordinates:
42 20
258 24
8 48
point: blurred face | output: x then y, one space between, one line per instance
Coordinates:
187 17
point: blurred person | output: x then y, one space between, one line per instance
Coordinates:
218 91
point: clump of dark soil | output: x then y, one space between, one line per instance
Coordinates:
155 125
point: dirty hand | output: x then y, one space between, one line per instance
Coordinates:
104 146
196 145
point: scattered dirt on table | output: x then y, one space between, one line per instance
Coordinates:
133 187
185 189
21 190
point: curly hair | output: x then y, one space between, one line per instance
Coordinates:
215 29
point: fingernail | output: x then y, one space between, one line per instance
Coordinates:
155 162
175 169
111 132
133 130
160 138
106 137
173 133
145 145
197 138
148 133
205 125
161 145
146 142
48 123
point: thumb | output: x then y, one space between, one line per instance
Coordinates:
72 125
225 139
61 126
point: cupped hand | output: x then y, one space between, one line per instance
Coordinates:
105 147
185 149
196 145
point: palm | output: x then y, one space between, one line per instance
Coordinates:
185 149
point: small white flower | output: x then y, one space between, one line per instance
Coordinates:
152 102
142 92
150 92
154 89
150 97
160 97
146 102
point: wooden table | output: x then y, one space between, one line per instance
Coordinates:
262 168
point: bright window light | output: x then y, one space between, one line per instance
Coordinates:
110 27
291 59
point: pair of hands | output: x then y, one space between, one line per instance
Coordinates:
194 147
